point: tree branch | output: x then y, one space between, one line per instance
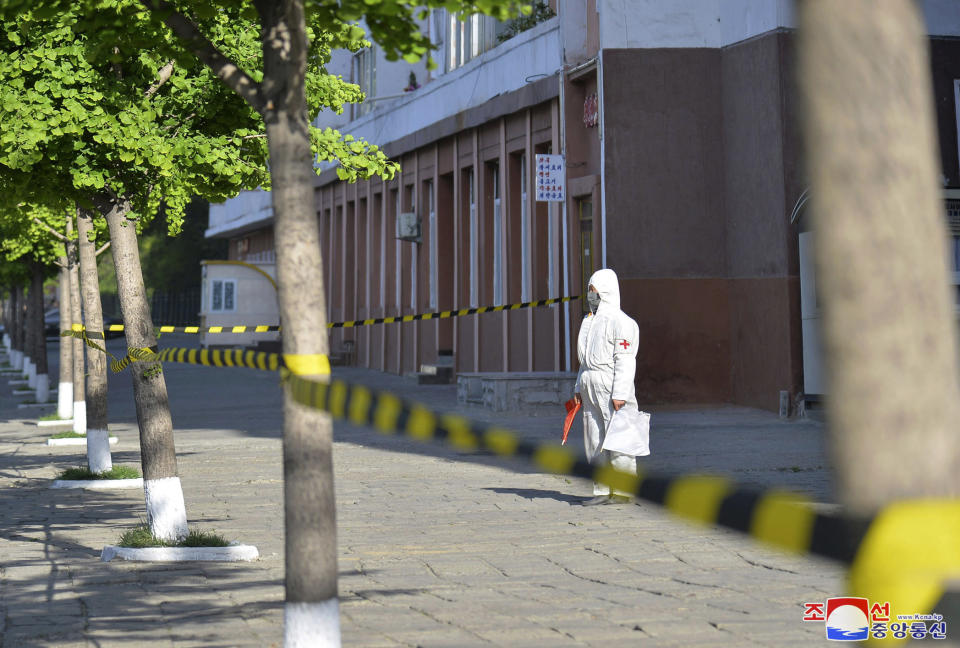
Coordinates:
56 234
162 77
226 70
60 264
102 249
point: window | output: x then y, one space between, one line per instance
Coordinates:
468 38
497 236
955 249
472 192
432 224
223 295
398 275
413 252
365 76
524 233
953 226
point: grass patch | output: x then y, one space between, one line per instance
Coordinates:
117 472
52 417
69 435
140 537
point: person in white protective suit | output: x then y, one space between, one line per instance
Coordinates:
607 348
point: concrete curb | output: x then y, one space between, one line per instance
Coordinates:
55 422
25 405
73 441
180 554
14 383
98 484
28 391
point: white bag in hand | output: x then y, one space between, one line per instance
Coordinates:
628 432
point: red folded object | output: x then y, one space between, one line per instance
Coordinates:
573 406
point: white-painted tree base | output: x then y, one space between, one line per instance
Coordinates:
80 417
74 441
30 371
43 388
55 423
98 451
234 552
312 625
166 512
16 360
98 484
65 401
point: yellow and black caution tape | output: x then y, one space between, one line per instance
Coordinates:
906 553
452 313
783 519
270 328
88 338
207 357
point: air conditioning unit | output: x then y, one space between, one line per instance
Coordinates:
408 227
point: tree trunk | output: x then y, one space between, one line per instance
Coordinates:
6 323
29 338
98 439
882 270
16 357
65 387
76 317
311 613
40 335
166 512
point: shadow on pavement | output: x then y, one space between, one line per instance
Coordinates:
537 493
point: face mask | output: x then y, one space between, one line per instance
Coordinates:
593 301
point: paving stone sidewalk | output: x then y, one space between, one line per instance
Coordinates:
437 548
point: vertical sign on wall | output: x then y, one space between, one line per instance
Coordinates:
551 174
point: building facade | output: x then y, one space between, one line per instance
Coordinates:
678 125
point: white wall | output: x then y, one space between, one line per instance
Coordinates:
743 19
659 23
648 24
249 208
532 55
942 16
573 28
256 303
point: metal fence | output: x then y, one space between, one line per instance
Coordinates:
173 308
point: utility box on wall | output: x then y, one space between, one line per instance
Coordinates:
408 227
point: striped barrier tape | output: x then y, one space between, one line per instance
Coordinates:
453 313
88 337
905 553
270 328
206 357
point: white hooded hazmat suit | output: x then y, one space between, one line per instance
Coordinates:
607 348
